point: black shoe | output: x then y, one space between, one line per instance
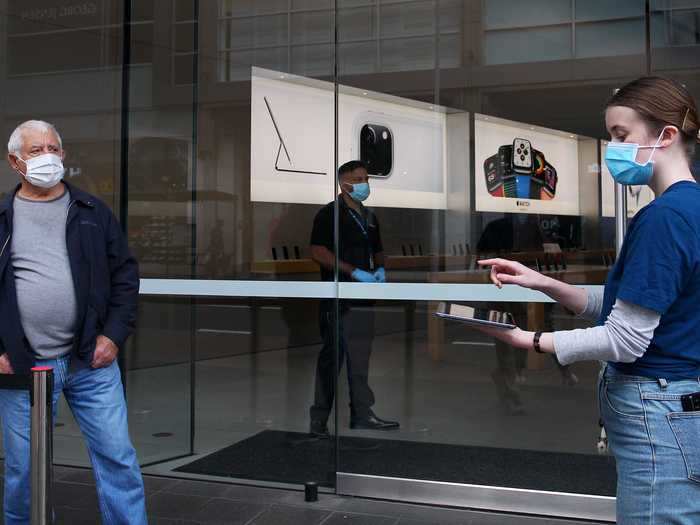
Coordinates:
319 428
372 422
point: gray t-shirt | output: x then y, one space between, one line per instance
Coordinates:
45 292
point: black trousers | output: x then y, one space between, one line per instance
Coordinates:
356 333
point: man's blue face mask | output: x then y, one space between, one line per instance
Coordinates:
360 191
620 158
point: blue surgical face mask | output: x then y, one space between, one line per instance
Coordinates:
360 191
620 158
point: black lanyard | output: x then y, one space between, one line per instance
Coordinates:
365 234
359 223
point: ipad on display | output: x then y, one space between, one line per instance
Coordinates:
475 316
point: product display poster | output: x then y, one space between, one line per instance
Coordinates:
525 169
401 141
291 154
637 196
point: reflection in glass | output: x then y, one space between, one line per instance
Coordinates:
359 255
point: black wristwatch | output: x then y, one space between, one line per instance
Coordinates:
536 342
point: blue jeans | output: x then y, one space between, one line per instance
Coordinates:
96 399
656 446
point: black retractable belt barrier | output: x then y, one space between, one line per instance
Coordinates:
15 382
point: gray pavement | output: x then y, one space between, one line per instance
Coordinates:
188 502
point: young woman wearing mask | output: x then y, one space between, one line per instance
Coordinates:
648 318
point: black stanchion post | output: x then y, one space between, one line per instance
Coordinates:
311 491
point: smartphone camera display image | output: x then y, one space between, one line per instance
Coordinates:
519 171
376 149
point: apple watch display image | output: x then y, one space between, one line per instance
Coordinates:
494 176
522 156
505 158
550 182
537 182
519 171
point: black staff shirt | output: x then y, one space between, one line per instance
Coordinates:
359 242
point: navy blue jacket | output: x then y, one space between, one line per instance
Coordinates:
105 276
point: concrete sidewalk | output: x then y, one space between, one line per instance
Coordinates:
188 502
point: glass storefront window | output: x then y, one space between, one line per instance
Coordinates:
481 127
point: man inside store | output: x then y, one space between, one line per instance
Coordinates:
68 297
360 259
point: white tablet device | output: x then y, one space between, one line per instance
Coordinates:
478 316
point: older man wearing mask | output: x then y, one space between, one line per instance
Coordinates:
68 297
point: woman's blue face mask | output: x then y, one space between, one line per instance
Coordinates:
620 158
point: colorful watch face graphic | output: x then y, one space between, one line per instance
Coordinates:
536 180
550 180
539 162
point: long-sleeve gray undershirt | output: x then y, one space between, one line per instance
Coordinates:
623 338
594 306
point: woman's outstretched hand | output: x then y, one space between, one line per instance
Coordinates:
504 271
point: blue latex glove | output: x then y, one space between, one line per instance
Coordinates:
380 275
363 276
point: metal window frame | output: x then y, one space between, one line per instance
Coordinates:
521 501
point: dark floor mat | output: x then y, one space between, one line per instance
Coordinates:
292 457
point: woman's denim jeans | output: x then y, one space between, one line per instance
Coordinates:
656 446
